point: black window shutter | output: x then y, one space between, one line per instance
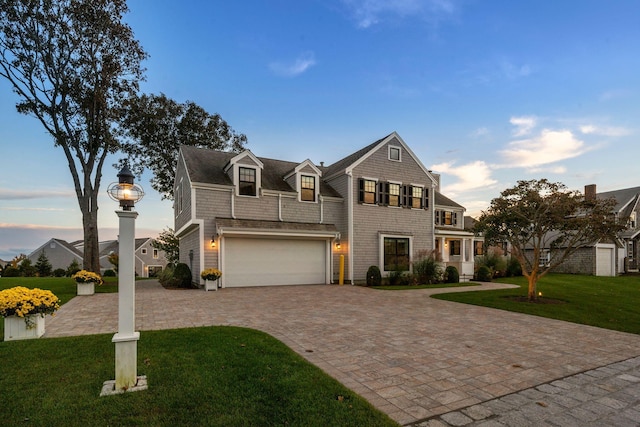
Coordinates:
409 196
361 192
426 198
455 218
437 217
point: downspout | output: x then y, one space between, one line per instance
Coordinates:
321 208
233 205
280 207
350 222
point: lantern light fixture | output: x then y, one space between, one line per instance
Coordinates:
125 190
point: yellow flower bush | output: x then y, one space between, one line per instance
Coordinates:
84 276
211 274
23 302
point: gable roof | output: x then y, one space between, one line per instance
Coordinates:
441 200
207 166
348 163
624 197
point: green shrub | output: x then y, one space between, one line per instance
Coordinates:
165 276
513 267
73 268
483 274
427 270
10 271
395 277
182 276
374 278
59 272
451 275
109 273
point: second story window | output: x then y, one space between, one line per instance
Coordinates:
446 218
394 194
416 197
155 254
367 191
247 181
308 187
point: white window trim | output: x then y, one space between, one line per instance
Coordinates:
375 192
399 183
381 238
143 251
236 179
422 197
316 177
399 153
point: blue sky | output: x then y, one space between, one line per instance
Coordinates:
484 92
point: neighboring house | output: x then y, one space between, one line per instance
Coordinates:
273 222
60 253
626 209
608 257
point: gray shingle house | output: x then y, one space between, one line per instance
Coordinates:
273 222
60 253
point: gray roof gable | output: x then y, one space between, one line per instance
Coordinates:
207 167
441 200
623 197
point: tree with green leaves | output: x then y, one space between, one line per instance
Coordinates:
157 126
72 64
43 266
169 243
537 216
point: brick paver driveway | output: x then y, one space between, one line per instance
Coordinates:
410 355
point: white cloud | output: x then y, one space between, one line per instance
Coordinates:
7 194
549 147
604 131
480 132
470 176
523 125
371 12
296 67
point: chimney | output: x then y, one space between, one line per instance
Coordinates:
590 192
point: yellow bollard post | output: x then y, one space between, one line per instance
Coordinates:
341 276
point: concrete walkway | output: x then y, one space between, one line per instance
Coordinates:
412 356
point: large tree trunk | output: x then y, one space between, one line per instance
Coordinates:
90 227
531 293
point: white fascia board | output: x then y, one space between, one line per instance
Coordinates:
241 156
454 233
226 231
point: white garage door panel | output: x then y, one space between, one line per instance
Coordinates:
259 262
604 263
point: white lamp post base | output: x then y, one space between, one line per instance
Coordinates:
109 387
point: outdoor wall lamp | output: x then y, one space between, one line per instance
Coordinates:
213 241
338 245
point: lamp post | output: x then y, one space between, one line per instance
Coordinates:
126 339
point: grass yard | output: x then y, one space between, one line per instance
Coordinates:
607 302
434 286
62 287
211 376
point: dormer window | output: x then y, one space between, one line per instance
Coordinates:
308 188
247 181
245 171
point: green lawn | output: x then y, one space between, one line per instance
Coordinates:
607 302
434 286
211 376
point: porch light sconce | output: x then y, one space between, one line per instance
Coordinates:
213 241
338 241
338 245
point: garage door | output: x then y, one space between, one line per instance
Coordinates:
261 262
604 261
